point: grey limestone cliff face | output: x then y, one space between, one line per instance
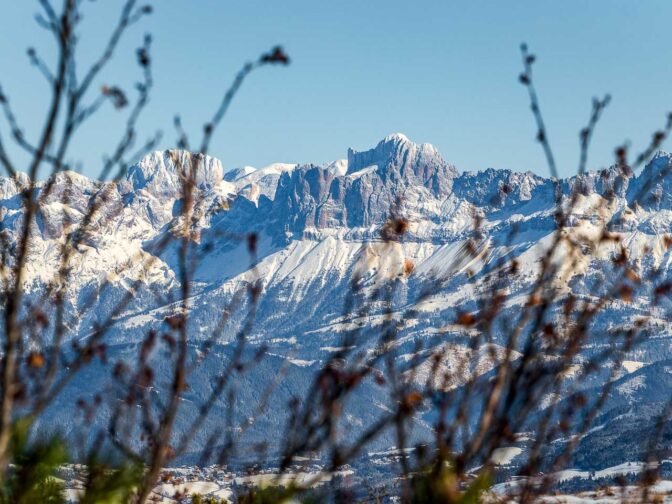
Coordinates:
394 171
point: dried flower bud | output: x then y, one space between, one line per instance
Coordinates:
35 360
276 55
466 319
117 96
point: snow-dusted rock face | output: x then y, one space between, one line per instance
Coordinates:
163 172
262 181
652 189
236 173
400 161
11 186
316 227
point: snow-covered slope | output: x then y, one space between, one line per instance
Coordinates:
317 227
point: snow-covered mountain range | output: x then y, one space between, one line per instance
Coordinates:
317 227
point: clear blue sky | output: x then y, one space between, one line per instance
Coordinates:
442 72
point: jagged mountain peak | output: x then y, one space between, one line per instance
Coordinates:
661 154
395 151
164 171
238 173
651 188
10 186
338 167
659 164
396 137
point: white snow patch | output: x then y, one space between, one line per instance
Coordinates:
632 366
504 456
